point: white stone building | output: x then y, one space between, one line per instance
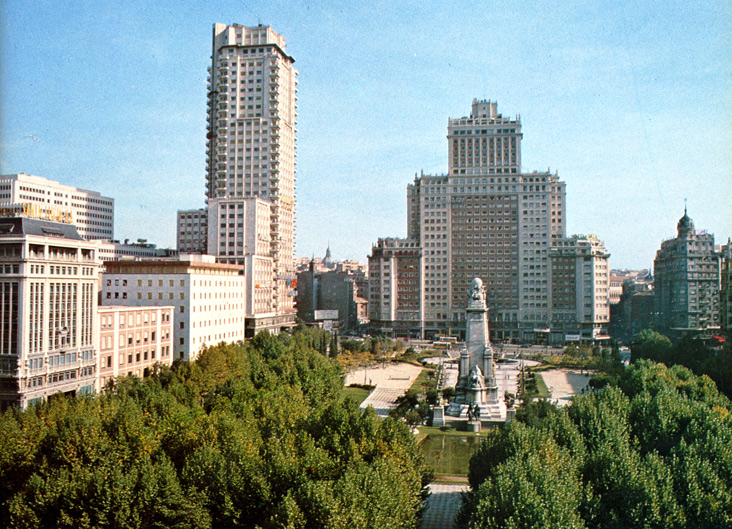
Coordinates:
251 153
35 196
48 311
209 298
580 288
486 218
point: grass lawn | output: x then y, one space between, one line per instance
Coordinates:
357 394
542 392
424 381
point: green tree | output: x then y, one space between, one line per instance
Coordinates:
248 434
650 450
651 345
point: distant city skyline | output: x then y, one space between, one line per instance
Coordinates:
631 104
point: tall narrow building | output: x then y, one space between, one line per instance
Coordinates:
686 281
252 118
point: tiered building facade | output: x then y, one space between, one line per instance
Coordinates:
486 219
48 311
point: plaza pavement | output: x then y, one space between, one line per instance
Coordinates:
443 505
391 381
565 383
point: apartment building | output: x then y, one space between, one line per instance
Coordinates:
192 231
209 298
396 281
38 197
331 290
133 339
48 311
686 281
251 149
580 283
725 290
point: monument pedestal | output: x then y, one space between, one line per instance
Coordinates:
474 426
476 388
438 416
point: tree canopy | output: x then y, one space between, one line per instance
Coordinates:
249 435
689 351
651 451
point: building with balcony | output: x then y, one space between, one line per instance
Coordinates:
579 278
33 196
251 149
396 282
725 290
686 282
48 311
485 218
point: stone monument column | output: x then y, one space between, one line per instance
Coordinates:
476 387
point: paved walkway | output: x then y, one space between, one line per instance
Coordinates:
565 383
443 505
391 381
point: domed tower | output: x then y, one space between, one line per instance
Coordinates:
685 226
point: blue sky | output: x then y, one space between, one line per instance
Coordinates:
631 102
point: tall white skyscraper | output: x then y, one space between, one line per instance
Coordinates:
251 149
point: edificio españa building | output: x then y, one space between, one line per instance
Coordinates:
486 219
250 181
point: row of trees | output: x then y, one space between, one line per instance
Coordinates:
252 435
651 449
689 351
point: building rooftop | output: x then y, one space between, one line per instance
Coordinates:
15 226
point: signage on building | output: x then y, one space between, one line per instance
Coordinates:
573 337
326 315
37 211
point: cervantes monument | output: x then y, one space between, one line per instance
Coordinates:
476 390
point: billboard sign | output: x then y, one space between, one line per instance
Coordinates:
326 315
